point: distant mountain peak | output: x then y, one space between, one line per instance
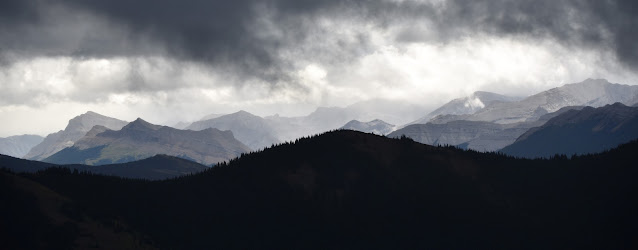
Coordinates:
139 123
375 126
77 127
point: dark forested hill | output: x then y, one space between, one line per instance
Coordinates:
157 167
351 190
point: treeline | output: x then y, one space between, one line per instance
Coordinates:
346 189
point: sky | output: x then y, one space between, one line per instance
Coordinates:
169 61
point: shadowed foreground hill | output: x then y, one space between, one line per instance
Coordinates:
347 189
157 167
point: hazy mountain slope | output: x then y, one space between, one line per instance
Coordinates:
378 127
330 118
466 105
589 130
154 168
249 129
475 135
591 92
75 130
19 145
140 139
351 190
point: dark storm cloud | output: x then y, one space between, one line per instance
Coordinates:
232 36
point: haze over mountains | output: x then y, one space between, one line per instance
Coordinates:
500 123
76 129
140 139
378 127
589 130
466 105
483 121
250 129
19 145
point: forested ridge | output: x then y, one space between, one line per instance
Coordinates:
346 189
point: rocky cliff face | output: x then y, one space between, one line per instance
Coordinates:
140 139
75 130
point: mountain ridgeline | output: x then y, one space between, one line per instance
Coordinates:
75 130
140 139
157 167
378 127
499 123
250 129
347 189
19 145
589 130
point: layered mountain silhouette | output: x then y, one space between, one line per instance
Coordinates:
348 189
377 126
19 145
466 105
329 118
475 135
157 167
500 123
591 92
75 130
250 129
140 139
588 130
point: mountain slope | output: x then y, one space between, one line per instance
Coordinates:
466 105
19 145
36 217
330 118
249 129
378 127
591 92
351 190
76 129
158 167
476 135
589 130
140 139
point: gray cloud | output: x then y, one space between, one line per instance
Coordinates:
264 39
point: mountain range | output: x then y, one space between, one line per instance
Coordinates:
589 130
342 189
500 123
591 92
250 129
467 105
75 130
140 139
377 126
19 145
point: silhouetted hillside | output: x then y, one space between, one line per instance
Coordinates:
33 216
154 168
351 190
